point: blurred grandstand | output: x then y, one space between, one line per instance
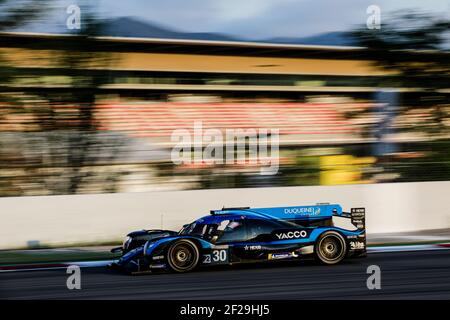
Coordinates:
338 123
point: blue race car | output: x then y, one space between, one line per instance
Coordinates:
248 235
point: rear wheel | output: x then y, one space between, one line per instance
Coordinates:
330 248
182 256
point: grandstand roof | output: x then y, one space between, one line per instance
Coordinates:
190 46
13 39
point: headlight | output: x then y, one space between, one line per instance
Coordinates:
126 242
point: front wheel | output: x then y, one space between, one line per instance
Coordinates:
182 256
330 248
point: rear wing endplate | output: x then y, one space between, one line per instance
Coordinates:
358 216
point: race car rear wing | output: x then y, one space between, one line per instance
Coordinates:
319 211
303 214
358 219
358 216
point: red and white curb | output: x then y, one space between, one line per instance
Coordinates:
104 263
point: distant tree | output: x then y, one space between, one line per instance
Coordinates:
14 14
83 51
68 145
413 44
18 13
414 47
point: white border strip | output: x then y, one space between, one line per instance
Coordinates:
408 248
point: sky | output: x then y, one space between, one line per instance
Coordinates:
248 19
263 18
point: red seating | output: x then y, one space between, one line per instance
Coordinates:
160 119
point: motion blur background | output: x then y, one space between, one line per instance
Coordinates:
91 110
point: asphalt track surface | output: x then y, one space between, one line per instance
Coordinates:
405 275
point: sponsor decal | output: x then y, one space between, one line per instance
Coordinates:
158 257
355 245
158 266
358 212
252 247
292 234
282 255
207 258
358 217
303 211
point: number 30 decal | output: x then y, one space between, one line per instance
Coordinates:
216 256
219 255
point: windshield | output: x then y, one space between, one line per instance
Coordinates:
199 228
213 231
230 228
194 228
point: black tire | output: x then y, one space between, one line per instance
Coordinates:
330 248
182 256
